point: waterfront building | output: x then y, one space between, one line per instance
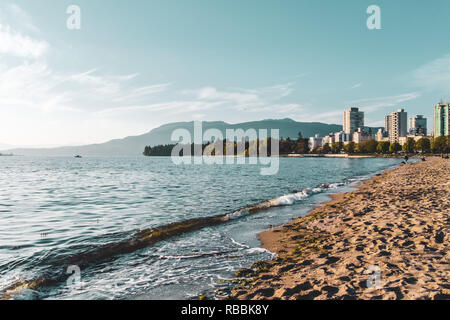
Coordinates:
381 135
418 125
353 119
387 124
328 139
398 125
341 136
361 135
441 119
315 142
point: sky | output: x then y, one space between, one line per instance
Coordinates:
135 65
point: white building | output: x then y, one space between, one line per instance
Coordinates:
341 137
328 139
315 142
360 135
353 119
381 135
397 125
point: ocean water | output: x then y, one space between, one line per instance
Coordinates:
57 213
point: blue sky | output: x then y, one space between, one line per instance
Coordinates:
135 65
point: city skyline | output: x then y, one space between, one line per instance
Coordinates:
130 69
398 128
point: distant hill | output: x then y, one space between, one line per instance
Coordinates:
135 145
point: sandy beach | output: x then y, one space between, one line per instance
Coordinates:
386 240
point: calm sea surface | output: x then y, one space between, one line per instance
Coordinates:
53 210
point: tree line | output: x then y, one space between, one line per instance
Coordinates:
257 147
423 145
301 146
246 148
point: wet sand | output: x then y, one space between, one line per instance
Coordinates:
386 240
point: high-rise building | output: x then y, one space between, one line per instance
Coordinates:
418 125
387 123
353 119
441 119
398 125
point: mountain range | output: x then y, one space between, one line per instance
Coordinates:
134 145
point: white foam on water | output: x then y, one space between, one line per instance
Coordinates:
257 250
251 251
239 244
285 200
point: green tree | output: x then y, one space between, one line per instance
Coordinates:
316 150
350 147
147 151
326 148
360 148
439 144
336 147
302 145
383 147
371 146
423 145
409 145
395 147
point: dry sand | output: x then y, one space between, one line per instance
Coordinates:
395 225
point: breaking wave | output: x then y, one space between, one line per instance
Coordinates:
285 200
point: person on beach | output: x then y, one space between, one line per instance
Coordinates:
406 159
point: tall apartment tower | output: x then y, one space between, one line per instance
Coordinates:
441 119
387 123
398 125
418 125
353 119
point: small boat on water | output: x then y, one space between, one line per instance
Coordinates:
78 156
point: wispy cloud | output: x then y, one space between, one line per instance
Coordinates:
29 82
261 100
36 85
250 100
333 116
434 76
142 92
300 75
16 14
374 104
167 107
30 85
356 86
368 105
17 44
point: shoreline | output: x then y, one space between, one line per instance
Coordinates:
394 225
